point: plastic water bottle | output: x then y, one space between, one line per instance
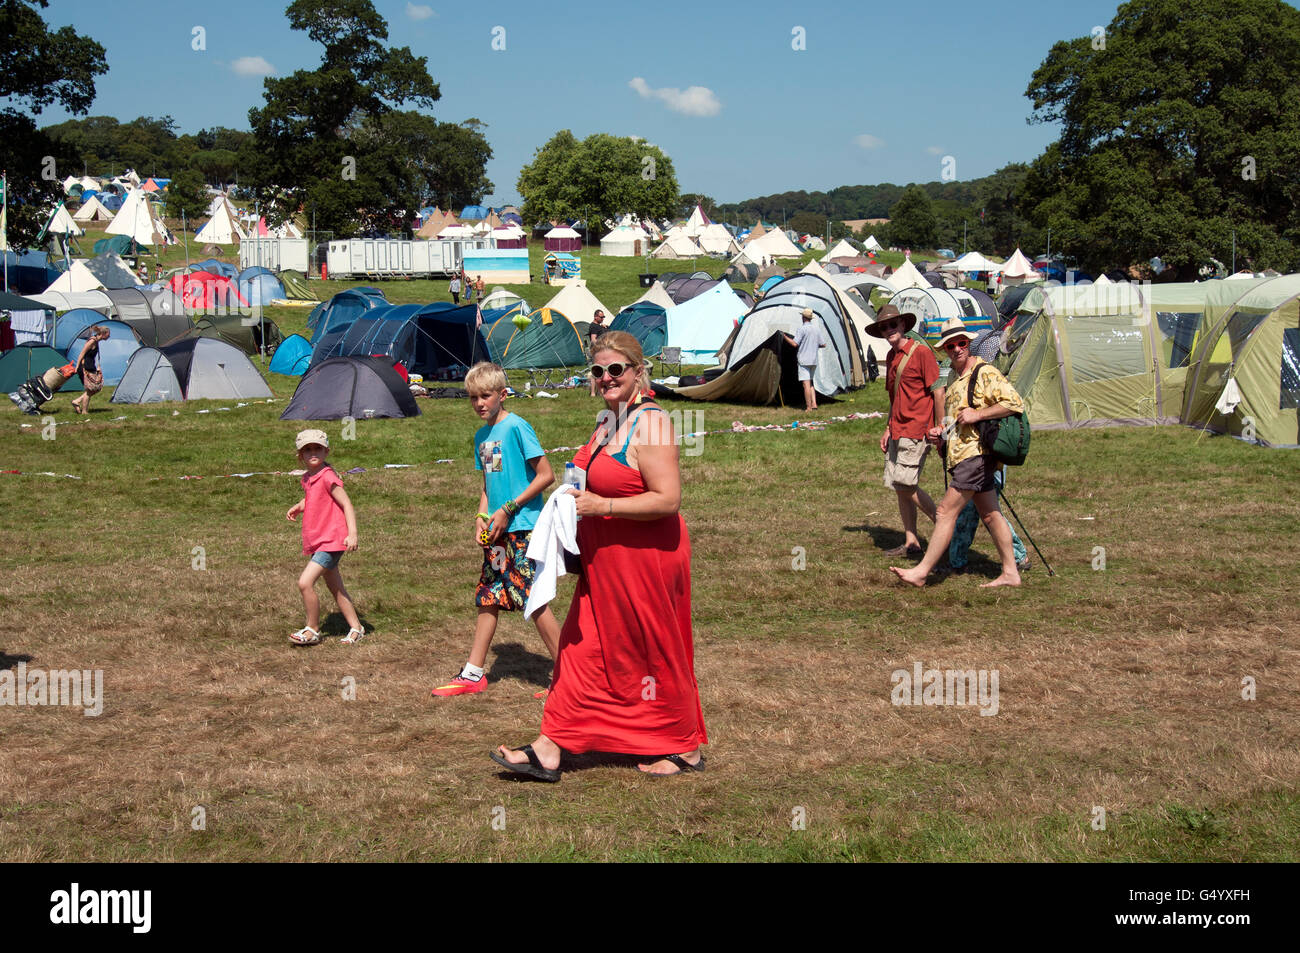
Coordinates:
575 477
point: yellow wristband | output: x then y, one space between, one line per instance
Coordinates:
484 516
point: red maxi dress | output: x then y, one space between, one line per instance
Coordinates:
625 677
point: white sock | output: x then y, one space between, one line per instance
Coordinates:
471 671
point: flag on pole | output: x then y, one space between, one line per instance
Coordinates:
4 213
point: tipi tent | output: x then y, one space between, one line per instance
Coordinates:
61 223
871 244
774 244
1019 269
906 275
678 247
76 278
841 249
137 220
195 368
577 303
222 228
656 294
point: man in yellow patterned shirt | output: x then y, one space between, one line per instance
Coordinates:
971 471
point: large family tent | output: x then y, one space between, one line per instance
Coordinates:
251 335
646 322
292 357
194 368
156 316
334 316
30 359
1245 369
626 241
545 338
92 210
358 387
259 287
205 291
423 338
701 325
577 303
222 228
932 306
1090 358
840 365
114 354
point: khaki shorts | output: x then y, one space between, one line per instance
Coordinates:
903 462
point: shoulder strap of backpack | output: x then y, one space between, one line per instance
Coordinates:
970 390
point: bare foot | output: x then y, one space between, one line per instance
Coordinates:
912 575
547 751
1006 579
663 766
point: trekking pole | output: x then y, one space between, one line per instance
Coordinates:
1049 569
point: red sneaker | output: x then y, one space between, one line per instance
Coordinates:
460 685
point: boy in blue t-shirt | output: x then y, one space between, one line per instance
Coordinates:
515 472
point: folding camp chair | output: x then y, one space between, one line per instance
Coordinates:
670 357
541 376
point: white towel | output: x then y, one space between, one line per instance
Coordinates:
1230 398
556 531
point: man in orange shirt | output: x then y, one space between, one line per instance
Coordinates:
914 406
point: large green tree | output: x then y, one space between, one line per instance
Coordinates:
601 177
41 68
912 223
186 196
319 143
1178 125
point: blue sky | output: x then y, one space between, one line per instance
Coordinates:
880 93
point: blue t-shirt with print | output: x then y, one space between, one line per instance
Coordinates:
502 451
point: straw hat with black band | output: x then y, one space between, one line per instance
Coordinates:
886 313
952 329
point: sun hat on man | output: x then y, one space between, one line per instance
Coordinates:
886 313
952 330
307 437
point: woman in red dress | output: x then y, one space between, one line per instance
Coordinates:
625 675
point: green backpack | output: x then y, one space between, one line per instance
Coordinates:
1007 438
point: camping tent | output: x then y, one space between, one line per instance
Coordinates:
1245 368
30 359
204 291
61 223
114 354
501 298
562 238
356 387
334 316
906 275
932 306
214 266
548 339
296 286
677 247
244 332
1019 269
138 221
871 244
292 357
111 272
423 338
716 240
625 241
774 244
196 368
857 309
259 287
577 303
92 210
76 278
841 249
701 325
646 322
156 316
97 300
222 228
973 262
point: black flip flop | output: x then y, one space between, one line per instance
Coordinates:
533 767
683 766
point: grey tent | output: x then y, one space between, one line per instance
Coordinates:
357 387
157 316
189 369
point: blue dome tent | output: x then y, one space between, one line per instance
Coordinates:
292 357
114 354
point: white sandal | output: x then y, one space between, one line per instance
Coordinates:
305 636
353 637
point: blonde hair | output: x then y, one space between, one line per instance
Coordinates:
485 377
97 329
626 344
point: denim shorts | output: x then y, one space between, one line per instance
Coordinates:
326 559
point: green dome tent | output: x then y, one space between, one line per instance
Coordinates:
549 339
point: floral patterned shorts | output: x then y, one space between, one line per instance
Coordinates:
507 574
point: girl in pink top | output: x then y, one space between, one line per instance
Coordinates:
329 528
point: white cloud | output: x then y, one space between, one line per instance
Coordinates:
252 66
868 141
692 101
419 11
934 150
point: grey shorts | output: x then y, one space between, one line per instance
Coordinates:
806 371
903 462
977 473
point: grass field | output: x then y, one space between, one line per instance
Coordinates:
1121 688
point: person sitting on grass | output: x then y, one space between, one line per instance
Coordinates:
971 470
329 529
515 472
